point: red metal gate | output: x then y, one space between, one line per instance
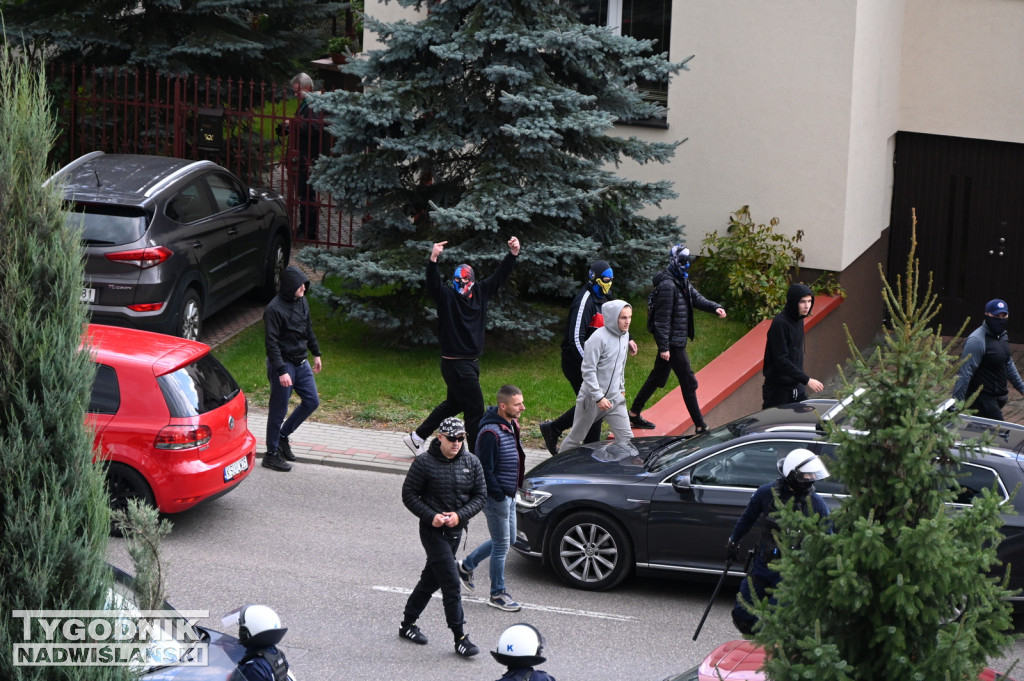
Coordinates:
239 124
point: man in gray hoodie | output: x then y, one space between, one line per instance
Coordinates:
603 393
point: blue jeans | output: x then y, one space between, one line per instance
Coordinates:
501 523
304 385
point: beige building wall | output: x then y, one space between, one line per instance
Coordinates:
963 69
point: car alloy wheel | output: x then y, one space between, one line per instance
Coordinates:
277 261
591 551
190 316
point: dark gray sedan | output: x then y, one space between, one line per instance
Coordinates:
667 505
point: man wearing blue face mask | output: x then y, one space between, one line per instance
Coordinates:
988 364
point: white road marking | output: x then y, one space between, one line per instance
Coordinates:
526 606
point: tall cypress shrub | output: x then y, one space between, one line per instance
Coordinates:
53 505
901 588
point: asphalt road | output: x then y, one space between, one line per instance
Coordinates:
335 553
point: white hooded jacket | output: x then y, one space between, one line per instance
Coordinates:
604 356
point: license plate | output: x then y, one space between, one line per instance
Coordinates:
88 295
231 470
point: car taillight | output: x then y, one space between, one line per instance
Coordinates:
145 307
182 437
142 258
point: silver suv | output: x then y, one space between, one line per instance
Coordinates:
169 241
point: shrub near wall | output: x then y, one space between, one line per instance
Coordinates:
748 268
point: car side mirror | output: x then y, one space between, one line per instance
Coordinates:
254 196
681 482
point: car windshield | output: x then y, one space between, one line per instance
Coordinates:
104 225
677 451
198 388
170 638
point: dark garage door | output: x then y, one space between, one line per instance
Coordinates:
969 198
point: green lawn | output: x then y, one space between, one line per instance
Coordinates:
369 386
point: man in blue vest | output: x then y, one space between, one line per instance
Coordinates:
504 463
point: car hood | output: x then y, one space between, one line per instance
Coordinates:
225 652
604 457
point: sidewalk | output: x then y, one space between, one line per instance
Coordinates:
371 450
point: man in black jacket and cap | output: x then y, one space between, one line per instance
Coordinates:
784 378
988 364
444 488
289 338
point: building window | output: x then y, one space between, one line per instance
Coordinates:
640 19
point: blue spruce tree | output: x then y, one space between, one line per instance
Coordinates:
228 38
489 119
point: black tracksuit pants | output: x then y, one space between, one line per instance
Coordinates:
440 572
678 362
462 376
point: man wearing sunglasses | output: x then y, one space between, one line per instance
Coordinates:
584 319
444 488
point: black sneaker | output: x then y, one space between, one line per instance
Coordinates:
640 422
274 462
411 632
550 435
284 448
465 647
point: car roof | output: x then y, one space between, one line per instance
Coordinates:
129 179
132 347
810 415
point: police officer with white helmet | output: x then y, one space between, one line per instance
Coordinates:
799 470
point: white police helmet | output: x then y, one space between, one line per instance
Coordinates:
259 627
802 466
521 645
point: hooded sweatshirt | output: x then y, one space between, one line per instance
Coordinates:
288 327
784 350
462 319
604 356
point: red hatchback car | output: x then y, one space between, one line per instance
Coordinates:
170 421
742 661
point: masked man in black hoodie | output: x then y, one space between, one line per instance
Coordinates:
289 338
784 378
461 320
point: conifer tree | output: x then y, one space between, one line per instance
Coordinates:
901 588
53 502
227 38
488 119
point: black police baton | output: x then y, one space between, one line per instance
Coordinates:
728 564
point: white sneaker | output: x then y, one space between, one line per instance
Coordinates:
414 443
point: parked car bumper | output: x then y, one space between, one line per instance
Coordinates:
200 480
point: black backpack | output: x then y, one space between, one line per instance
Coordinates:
650 310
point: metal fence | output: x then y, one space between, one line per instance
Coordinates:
242 125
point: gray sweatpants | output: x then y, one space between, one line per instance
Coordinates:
587 412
